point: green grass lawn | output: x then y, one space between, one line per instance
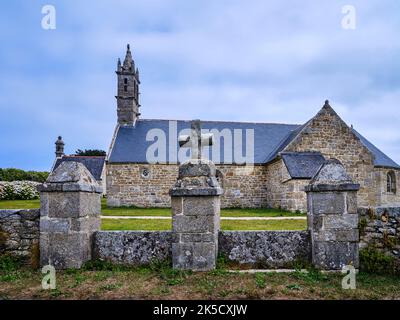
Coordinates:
20 204
157 224
229 212
134 224
165 212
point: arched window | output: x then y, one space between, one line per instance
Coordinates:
126 81
391 182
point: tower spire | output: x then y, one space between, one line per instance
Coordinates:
128 62
128 90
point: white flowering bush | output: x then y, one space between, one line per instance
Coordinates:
18 190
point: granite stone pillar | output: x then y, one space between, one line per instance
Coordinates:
70 204
332 217
195 202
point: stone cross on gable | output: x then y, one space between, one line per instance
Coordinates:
195 141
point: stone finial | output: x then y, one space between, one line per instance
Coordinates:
332 175
128 62
71 176
59 147
327 106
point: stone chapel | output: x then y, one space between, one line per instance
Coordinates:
284 156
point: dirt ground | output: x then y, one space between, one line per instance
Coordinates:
166 283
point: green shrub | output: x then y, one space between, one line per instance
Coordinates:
374 261
19 190
12 174
9 263
10 268
90 152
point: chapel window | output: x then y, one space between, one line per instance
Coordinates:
391 182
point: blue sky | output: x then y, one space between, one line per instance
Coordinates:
267 61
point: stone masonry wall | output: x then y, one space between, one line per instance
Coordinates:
128 184
244 187
19 234
328 134
148 185
265 249
380 229
284 192
133 247
274 249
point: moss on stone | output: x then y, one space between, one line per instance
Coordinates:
3 239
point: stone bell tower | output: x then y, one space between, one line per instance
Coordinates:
128 91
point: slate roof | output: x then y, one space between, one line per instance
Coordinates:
130 143
270 139
381 159
302 165
94 164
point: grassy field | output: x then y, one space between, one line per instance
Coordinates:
19 204
165 212
157 224
162 282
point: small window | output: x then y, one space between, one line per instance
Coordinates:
126 80
391 182
125 88
145 173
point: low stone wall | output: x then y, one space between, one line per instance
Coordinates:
273 249
380 228
19 234
265 249
133 247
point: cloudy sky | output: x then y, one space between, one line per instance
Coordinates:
267 61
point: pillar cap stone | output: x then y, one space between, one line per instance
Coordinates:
332 176
197 177
197 168
70 176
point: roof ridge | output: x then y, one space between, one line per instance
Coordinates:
77 156
301 152
230 121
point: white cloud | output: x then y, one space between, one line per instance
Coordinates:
228 60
